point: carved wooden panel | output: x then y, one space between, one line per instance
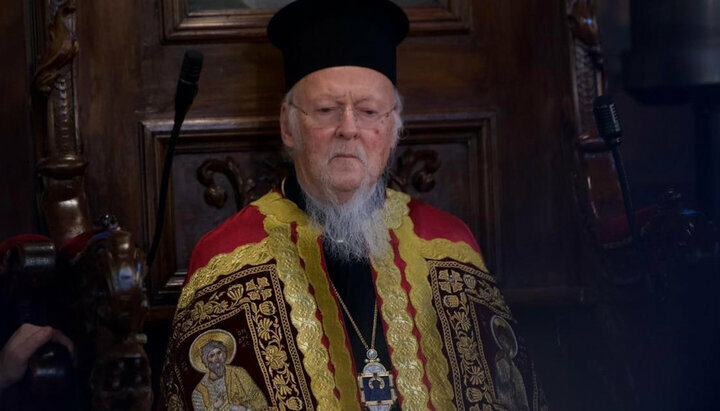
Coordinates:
187 20
248 150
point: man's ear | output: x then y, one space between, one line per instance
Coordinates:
287 137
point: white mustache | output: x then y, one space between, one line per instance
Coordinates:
351 150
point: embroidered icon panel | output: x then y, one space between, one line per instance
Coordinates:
489 366
236 328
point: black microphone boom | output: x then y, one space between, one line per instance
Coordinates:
609 128
187 88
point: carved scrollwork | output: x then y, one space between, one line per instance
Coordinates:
60 51
215 195
245 189
423 180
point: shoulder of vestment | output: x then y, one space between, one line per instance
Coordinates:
244 227
430 223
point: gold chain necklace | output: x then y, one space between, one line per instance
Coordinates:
377 387
369 348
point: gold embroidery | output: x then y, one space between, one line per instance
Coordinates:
426 319
268 342
279 213
223 264
260 299
394 309
478 286
416 252
344 373
205 313
455 288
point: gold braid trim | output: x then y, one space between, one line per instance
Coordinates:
224 264
415 252
394 309
344 373
416 272
441 248
279 213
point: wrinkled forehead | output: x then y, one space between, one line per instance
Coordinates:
347 84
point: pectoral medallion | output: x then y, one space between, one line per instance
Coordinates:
377 388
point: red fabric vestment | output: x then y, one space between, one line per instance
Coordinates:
258 286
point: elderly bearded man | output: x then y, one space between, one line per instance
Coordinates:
340 293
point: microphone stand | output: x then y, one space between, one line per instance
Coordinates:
608 125
187 88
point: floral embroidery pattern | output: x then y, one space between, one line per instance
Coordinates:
455 288
258 298
269 343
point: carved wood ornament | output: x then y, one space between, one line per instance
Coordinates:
63 202
245 189
422 180
102 263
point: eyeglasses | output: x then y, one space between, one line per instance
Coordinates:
332 116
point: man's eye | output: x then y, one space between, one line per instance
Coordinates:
368 112
325 110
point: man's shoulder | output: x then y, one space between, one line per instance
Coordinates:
244 227
237 371
432 223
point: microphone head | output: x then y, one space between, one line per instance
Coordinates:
191 66
607 120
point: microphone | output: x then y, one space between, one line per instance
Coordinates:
187 88
607 120
610 129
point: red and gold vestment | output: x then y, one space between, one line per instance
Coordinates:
260 277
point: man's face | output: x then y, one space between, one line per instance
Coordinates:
216 361
339 158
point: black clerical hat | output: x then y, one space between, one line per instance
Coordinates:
317 34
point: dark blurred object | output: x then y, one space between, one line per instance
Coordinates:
31 293
110 305
682 242
675 51
51 372
674 59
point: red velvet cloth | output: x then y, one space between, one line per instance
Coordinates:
22 238
245 227
431 223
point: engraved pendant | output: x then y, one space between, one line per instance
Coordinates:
377 389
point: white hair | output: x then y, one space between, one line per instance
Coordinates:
354 229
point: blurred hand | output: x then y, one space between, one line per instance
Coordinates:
21 346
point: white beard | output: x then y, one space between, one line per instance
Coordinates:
355 230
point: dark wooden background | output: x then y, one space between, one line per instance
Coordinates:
487 85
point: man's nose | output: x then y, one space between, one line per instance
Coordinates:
348 124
